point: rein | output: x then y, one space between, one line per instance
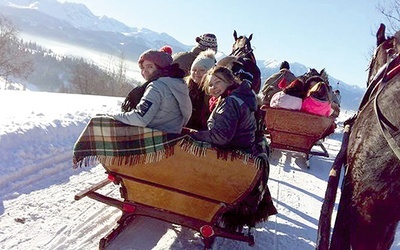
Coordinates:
384 123
237 51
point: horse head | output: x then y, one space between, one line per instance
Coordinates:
243 59
242 45
313 76
384 63
387 50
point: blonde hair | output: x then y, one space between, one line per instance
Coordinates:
223 73
320 91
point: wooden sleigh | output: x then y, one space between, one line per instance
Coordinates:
193 187
297 131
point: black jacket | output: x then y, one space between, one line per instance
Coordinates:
232 124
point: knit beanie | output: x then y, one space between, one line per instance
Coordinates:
207 41
158 57
166 49
205 59
285 65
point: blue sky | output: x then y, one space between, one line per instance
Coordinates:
338 35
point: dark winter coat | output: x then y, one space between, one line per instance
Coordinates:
271 84
200 112
232 124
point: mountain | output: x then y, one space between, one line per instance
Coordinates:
74 25
351 94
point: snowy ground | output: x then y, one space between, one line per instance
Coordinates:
38 184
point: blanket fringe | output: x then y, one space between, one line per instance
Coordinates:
189 145
199 148
128 160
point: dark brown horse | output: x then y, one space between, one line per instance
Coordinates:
369 208
242 53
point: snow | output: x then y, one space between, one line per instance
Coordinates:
38 184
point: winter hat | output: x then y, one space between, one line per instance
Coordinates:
158 57
205 59
166 49
285 65
207 41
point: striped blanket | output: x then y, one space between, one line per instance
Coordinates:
109 141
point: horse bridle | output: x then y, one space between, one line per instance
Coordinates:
379 82
244 49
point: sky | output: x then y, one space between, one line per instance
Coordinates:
336 35
38 184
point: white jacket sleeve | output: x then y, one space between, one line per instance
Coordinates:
146 109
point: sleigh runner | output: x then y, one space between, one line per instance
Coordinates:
175 179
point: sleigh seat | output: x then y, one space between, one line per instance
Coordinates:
296 130
176 179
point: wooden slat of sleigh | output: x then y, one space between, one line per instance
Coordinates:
218 181
295 130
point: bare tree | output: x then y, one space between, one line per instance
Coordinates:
88 78
117 82
85 78
391 10
15 59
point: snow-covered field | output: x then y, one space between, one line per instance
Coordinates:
38 184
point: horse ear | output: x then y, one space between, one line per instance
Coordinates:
234 34
380 35
251 36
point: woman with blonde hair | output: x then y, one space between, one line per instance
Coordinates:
232 124
318 100
200 111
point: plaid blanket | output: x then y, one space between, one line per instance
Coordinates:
109 141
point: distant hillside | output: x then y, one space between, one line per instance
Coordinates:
75 26
351 95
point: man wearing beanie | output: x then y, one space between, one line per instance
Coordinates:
204 42
162 102
200 113
271 84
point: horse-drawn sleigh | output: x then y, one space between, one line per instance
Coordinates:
297 131
173 178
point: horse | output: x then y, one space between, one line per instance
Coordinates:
369 207
242 61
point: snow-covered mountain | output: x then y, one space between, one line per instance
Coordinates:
74 24
351 94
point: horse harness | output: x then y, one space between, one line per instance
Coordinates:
392 68
245 52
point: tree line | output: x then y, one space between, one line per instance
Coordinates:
30 63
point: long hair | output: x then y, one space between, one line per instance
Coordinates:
295 88
320 91
220 72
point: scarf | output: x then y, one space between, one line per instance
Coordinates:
134 96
